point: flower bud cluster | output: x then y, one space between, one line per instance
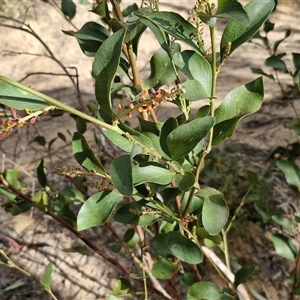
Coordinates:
149 99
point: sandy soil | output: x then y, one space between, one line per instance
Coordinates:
87 276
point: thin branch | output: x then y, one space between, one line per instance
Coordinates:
51 54
79 235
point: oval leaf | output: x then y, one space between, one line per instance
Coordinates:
291 172
68 7
97 209
121 174
46 277
184 138
178 245
240 102
176 26
283 246
237 34
133 213
163 269
242 274
105 65
215 211
232 10
195 67
151 172
204 290
19 99
90 37
84 154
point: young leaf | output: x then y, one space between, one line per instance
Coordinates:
284 246
184 138
215 211
19 99
97 209
232 10
291 172
204 290
46 277
151 172
163 269
178 245
242 274
68 8
84 154
105 65
121 174
195 67
241 101
237 34
90 37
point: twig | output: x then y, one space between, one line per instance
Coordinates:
82 237
241 289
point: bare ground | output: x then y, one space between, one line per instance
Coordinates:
33 241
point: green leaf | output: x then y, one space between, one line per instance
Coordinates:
62 204
97 209
68 7
19 99
276 63
188 279
284 222
261 72
296 60
118 140
121 174
46 277
41 201
195 67
204 290
122 285
151 172
240 102
215 211
90 37
131 238
140 212
242 274
11 177
283 246
163 269
162 71
277 43
101 9
232 10
178 245
166 129
41 175
184 138
84 154
105 65
291 172
187 181
237 34
176 26
203 234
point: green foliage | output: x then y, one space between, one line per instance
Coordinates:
154 184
